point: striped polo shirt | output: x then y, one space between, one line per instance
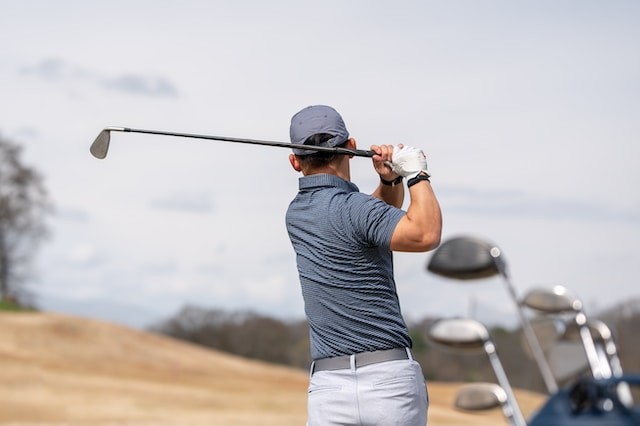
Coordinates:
341 238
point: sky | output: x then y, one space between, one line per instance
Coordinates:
528 113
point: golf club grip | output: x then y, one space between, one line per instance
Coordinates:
357 152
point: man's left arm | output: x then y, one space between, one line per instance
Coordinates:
392 194
390 189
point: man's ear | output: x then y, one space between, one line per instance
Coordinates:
351 144
295 163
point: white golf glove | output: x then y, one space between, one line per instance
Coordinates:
408 161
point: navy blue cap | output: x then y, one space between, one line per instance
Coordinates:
317 119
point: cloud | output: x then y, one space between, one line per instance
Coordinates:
165 268
193 203
50 69
141 85
524 205
26 132
73 215
82 255
56 70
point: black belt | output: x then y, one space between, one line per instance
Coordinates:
361 359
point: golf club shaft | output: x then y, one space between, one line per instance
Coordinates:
335 150
531 338
513 414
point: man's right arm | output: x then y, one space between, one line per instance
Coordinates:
420 228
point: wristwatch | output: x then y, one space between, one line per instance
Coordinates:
423 175
396 181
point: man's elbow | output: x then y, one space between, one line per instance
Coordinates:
420 242
430 241
430 233
412 237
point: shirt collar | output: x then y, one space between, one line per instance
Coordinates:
314 181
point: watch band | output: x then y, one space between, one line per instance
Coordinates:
423 175
396 181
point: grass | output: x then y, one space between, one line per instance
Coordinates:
11 306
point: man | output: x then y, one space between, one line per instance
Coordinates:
363 372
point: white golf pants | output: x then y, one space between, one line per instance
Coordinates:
384 394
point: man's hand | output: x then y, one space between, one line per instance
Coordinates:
408 161
382 161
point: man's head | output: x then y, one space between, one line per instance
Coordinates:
319 125
314 120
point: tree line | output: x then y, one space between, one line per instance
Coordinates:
257 336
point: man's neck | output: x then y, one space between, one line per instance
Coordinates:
340 169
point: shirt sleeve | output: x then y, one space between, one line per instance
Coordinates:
372 220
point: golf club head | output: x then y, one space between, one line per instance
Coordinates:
100 145
598 329
466 258
459 333
553 301
480 397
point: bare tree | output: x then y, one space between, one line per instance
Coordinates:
24 206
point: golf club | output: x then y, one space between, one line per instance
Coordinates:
603 340
558 300
552 328
463 333
607 353
552 303
470 258
100 146
594 335
480 397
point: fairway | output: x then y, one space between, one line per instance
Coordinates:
62 370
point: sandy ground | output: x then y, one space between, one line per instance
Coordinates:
61 370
